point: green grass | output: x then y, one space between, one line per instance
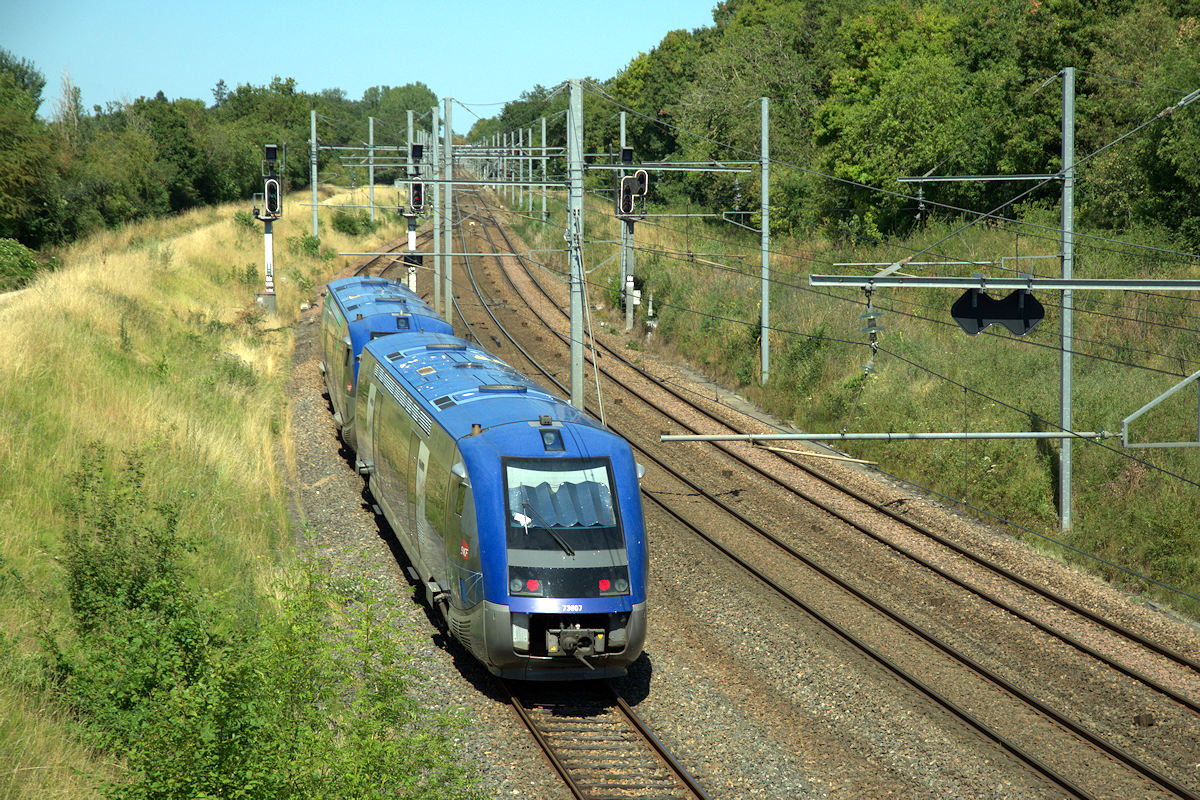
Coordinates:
150 599
1132 514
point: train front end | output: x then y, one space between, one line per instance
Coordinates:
564 551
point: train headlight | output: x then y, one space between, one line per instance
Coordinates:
613 586
552 440
524 585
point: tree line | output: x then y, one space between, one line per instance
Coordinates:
861 94
82 170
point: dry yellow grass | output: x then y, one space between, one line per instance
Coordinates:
36 760
146 339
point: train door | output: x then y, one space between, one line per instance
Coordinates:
369 427
389 454
425 533
345 375
416 449
327 323
462 541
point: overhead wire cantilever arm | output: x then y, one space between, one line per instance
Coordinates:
984 283
1195 376
890 436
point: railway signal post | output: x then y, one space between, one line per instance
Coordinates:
626 235
448 208
271 210
415 202
629 205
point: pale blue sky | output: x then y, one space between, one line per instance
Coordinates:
473 50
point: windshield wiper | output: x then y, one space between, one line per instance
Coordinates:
566 548
561 542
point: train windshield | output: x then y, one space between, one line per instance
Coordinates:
563 528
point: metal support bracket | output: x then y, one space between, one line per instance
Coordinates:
1194 377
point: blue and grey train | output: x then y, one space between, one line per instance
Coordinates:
356 311
520 515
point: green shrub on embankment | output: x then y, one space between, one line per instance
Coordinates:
158 638
1124 511
353 224
17 264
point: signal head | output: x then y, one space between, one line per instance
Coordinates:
272 198
627 195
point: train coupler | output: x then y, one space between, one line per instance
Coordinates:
577 642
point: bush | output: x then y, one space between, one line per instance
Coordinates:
244 219
353 224
205 698
305 245
17 264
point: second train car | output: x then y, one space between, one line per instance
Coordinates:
357 310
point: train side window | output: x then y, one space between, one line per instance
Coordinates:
387 450
332 312
460 499
437 492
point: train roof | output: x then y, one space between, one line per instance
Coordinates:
365 281
377 304
355 297
360 283
460 385
370 306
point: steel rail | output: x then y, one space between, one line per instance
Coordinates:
1113 751
394 252
1008 574
633 720
657 746
596 763
964 715
547 750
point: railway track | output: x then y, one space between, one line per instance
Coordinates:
867 504
589 734
600 748
992 567
971 697
397 248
